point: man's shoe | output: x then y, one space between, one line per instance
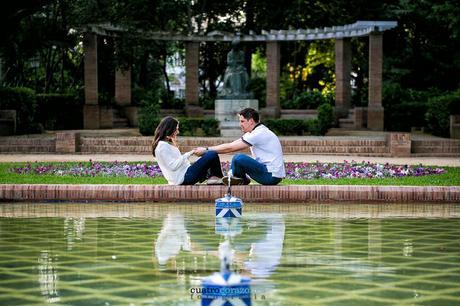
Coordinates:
214 181
233 180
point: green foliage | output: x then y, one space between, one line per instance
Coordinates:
289 127
168 101
325 117
199 127
405 108
439 110
206 101
258 86
149 111
60 111
41 49
188 126
259 65
310 99
24 101
294 127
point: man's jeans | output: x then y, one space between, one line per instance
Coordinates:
243 164
208 165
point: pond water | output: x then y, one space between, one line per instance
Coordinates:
157 254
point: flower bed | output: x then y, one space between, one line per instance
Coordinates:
295 171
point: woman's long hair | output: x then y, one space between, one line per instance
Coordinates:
167 127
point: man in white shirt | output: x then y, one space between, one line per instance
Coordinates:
266 165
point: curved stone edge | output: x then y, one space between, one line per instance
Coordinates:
252 193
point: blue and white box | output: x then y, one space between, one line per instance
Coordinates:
229 207
226 289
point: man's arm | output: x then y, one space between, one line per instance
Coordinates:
225 147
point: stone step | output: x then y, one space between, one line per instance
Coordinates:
116 149
27 149
346 120
436 149
120 123
18 141
147 141
347 125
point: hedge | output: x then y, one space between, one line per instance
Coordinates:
24 101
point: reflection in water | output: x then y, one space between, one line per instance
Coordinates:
48 276
292 256
73 230
408 248
265 254
172 238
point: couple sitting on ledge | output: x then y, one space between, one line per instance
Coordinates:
266 166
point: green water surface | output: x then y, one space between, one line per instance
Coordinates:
157 254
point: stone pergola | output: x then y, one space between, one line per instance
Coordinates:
95 116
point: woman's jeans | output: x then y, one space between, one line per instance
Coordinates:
206 166
243 164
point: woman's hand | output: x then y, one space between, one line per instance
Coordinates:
199 151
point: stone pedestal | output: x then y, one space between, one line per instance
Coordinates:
226 112
455 126
132 114
105 117
400 144
67 142
375 118
360 117
91 117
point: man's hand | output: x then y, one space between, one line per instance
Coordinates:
199 151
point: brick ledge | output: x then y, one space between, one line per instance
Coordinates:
256 193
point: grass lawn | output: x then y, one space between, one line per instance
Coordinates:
451 177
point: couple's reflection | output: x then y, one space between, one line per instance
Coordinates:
172 238
260 246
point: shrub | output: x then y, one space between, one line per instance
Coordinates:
24 101
149 111
188 127
405 108
288 127
325 118
439 110
167 101
199 127
258 86
60 111
310 99
296 127
206 101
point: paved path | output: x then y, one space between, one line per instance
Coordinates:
438 161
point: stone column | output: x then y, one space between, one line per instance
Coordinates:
273 80
192 86
91 107
342 77
123 86
375 108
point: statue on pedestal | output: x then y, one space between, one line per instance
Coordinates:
236 78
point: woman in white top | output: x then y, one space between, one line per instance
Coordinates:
175 166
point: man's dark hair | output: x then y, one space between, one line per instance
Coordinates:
249 113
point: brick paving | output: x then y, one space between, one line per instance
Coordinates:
251 193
